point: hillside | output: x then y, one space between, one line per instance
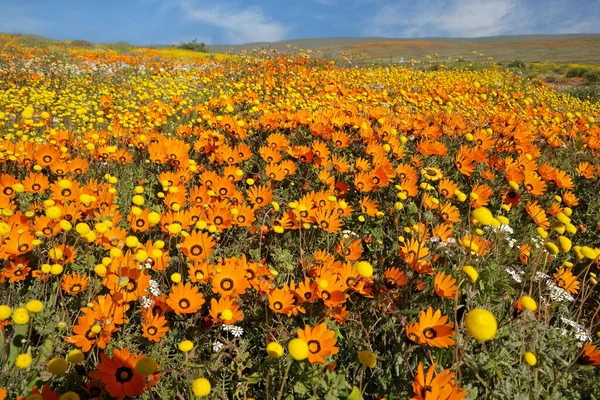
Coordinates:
572 48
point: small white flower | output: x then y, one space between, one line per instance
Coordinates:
217 346
236 331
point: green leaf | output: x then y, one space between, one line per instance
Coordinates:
355 394
508 288
16 344
300 389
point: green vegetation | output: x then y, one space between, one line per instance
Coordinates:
194 46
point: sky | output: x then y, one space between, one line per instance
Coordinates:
162 22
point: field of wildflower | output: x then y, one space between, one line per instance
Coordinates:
277 226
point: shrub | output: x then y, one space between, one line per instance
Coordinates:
194 46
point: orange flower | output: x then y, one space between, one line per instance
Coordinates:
566 280
321 342
119 375
445 285
154 327
225 310
185 299
74 283
591 355
197 246
442 386
434 331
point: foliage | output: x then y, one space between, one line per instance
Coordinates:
193 46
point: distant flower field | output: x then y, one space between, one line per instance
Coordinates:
274 226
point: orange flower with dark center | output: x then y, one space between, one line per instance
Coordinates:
119 375
321 342
434 329
185 299
282 301
154 327
591 355
74 283
442 386
197 246
231 281
566 280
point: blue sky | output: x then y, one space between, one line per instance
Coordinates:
236 21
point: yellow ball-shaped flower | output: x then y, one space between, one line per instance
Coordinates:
34 306
274 350
367 358
75 356
23 361
53 212
185 346
298 349
471 273
528 303
5 312
57 366
365 269
20 316
481 324
146 366
201 387
530 358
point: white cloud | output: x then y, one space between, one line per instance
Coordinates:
239 25
476 18
458 18
326 2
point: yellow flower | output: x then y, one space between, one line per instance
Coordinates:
34 306
75 356
530 358
137 200
298 349
69 396
131 241
551 248
367 358
471 273
174 229
20 316
146 366
483 215
528 303
274 350
53 212
481 324
57 366
176 277
201 387
65 225
185 346
227 315
23 361
365 269
153 217
5 312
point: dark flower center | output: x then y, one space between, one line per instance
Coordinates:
124 374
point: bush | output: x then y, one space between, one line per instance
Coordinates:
194 46
586 92
517 64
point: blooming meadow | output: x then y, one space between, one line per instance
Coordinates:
276 226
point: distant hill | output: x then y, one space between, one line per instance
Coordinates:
566 48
